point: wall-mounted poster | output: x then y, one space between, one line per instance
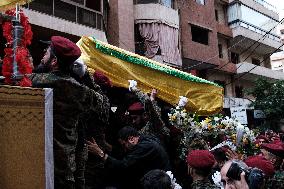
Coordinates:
240 114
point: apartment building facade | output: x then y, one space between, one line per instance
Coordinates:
277 59
225 41
277 62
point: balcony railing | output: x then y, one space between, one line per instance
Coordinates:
167 3
255 29
68 11
266 5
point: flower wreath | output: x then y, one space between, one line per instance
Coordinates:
22 53
208 132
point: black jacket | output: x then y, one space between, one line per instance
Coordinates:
147 155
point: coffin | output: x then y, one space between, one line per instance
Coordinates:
205 97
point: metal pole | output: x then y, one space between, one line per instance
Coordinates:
17 34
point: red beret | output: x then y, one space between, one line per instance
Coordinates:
64 49
261 163
200 159
274 148
136 108
102 80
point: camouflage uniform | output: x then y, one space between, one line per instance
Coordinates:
155 126
277 181
199 184
95 171
71 100
83 128
93 127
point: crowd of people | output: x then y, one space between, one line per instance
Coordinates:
114 138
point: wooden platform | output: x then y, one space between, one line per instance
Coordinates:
26 138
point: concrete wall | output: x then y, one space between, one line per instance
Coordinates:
156 12
225 77
277 61
126 24
62 25
272 44
222 16
247 57
113 26
222 23
203 16
121 24
246 84
225 46
259 71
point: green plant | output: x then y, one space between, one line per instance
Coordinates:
269 97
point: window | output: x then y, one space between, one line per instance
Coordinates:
199 35
94 4
239 92
220 51
255 61
216 15
139 41
168 3
235 58
202 2
79 1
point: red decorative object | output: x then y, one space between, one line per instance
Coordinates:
22 59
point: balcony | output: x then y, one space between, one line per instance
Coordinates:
266 5
258 71
259 5
248 34
156 12
71 12
68 17
167 3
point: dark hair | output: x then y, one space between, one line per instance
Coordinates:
127 132
219 154
63 67
156 179
52 53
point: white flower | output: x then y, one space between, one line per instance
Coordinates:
132 85
224 143
204 124
216 177
173 180
170 174
183 114
216 118
182 101
247 130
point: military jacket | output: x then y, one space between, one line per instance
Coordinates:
70 101
155 126
199 184
277 181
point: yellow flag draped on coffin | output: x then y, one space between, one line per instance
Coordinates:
204 97
10 4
